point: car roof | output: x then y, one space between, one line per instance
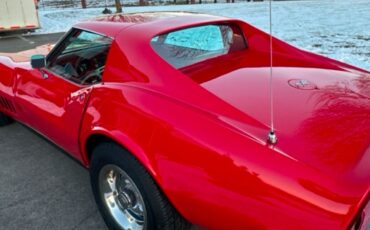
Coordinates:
111 25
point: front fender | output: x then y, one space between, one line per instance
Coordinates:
9 74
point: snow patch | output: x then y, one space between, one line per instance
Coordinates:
338 29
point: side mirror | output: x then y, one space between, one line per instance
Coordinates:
38 61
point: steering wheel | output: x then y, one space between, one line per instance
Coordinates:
82 66
93 77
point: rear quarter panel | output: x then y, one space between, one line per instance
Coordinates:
213 175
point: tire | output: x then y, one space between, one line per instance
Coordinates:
5 120
135 193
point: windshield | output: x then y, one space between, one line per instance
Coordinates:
86 40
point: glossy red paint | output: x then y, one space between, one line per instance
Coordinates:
201 131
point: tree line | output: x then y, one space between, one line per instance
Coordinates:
118 3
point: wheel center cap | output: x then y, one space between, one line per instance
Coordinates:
124 200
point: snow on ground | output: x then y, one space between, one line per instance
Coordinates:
338 28
103 3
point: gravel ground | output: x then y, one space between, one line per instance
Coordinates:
41 187
15 43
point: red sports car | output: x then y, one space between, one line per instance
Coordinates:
170 112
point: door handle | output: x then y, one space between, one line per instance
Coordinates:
44 74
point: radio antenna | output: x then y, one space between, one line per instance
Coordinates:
272 138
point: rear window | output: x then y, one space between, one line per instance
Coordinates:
188 46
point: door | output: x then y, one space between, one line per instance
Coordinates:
52 100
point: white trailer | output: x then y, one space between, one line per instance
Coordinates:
18 15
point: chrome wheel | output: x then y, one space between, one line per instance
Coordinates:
122 198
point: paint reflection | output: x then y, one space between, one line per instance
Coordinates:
340 126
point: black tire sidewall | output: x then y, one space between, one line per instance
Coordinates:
110 153
4 120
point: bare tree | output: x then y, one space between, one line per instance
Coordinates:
118 6
83 4
141 2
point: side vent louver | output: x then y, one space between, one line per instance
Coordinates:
6 104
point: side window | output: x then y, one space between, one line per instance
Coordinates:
80 57
207 38
192 45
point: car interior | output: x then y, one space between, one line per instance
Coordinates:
81 57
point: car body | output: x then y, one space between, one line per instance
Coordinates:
199 127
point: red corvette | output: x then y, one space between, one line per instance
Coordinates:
170 112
